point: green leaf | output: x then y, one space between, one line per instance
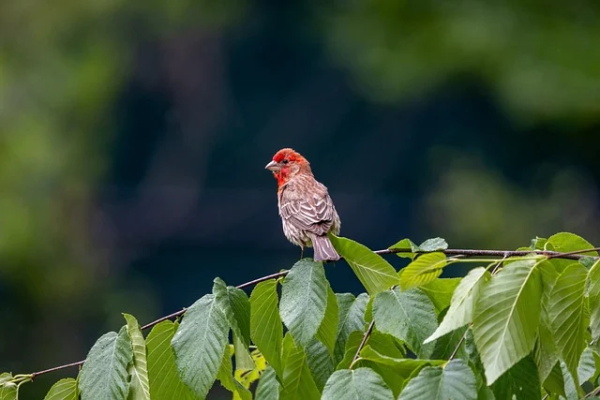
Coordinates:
304 299
65 389
407 315
572 390
463 302
225 376
447 345
435 244
593 291
587 365
235 305
403 366
320 362
298 383
8 389
376 274
199 344
139 387
351 317
519 382
507 316
566 242
268 386
165 383
440 291
327 333
454 381
104 373
423 270
554 382
266 329
546 354
359 384
567 314
407 247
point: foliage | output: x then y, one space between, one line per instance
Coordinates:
521 326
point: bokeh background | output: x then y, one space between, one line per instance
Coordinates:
133 136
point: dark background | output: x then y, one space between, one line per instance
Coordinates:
133 137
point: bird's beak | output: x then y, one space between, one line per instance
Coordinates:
273 166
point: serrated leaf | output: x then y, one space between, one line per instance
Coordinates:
587 365
572 390
546 354
8 390
407 247
454 381
199 344
225 376
462 306
519 382
266 329
380 342
423 270
403 366
268 386
434 244
65 389
407 315
567 314
319 361
138 370
507 316
298 383
104 373
304 299
440 291
234 303
375 273
165 383
593 291
327 332
351 319
566 242
359 384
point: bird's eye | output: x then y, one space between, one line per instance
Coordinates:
285 161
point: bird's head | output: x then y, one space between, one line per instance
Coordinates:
286 164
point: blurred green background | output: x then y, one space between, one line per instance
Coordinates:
133 137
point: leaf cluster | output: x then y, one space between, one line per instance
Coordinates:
524 327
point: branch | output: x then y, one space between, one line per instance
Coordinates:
574 255
362 344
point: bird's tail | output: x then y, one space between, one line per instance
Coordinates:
324 250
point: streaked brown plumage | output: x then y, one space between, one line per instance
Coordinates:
305 207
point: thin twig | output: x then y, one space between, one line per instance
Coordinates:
460 342
264 278
575 255
593 393
362 344
75 364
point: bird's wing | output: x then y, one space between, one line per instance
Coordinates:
313 213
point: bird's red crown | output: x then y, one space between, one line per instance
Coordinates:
288 154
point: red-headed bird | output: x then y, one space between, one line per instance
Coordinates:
305 208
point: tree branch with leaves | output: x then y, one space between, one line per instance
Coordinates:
521 323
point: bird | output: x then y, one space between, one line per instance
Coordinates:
305 207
